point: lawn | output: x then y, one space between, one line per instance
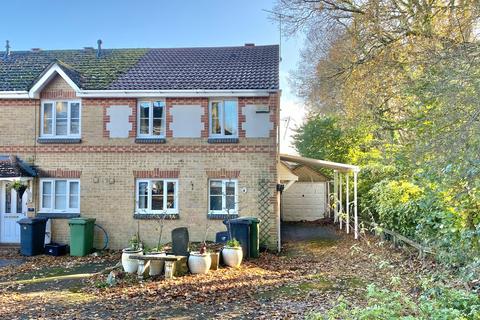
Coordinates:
309 275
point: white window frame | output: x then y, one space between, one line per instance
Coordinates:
150 119
54 135
224 197
149 210
222 118
51 208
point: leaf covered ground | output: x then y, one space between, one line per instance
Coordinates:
309 275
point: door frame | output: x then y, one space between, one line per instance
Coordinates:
3 193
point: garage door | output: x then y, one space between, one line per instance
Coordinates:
304 201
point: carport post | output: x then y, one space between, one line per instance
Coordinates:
355 202
347 202
335 196
341 204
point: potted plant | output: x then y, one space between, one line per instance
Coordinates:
131 265
19 187
156 266
232 253
199 262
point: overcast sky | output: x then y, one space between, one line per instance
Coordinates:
61 24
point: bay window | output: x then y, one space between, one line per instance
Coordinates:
151 119
224 118
60 195
157 196
222 196
60 119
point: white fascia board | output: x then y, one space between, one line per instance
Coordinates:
14 95
44 80
172 93
36 89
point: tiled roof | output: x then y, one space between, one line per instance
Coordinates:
249 67
11 166
204 68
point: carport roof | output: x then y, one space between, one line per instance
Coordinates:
343 167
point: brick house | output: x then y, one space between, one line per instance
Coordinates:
126 136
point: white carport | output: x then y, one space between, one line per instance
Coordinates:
342 208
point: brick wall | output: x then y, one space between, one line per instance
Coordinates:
108 167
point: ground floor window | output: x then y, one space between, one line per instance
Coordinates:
60 195
222 196
157 196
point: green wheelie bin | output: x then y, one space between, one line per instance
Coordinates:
254 241
81 236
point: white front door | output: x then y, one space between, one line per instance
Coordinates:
12 208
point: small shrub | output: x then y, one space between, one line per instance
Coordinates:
233 243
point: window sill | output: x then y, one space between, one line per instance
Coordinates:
223 140
156 216
221 216
150 140
59 140
58 215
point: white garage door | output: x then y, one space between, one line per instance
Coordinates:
304 201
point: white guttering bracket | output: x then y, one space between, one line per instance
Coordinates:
47 76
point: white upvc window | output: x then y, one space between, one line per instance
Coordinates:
223 196
60 195
156 196
151 119
223 116
61 119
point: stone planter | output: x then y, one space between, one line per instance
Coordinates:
199 263
232 256
156 266
130 265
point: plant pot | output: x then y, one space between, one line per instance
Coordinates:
232 256
199 263
130 265
156 266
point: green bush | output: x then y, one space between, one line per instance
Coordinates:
438 303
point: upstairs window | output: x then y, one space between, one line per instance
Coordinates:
60 119
151 119
157 196
224 118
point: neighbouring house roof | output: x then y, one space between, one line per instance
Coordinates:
215 68
307 174
12 167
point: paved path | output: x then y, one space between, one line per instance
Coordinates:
304 231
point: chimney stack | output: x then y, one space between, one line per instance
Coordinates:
99 48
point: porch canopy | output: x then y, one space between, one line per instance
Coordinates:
342 171
12 168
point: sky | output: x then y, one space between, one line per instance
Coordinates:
62 24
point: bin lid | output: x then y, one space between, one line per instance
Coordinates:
81 221
251 219
32 220
238 221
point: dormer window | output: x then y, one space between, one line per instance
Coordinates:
60 119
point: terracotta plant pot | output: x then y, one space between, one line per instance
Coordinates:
232 256
130 265
199 263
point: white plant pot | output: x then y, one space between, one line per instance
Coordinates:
130 265
232 257
199 263
156 266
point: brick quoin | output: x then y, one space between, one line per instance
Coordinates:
170 102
